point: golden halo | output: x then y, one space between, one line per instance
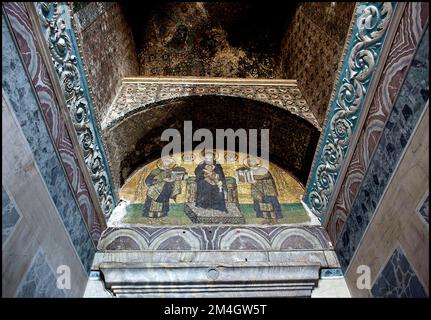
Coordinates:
257 162
166 163
235 155
214 153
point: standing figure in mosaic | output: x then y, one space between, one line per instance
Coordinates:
163 183
211 190
263 191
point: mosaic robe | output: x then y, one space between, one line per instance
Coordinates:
264 193
159 192
208 196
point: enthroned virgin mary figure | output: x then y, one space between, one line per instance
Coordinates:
211 190
163 183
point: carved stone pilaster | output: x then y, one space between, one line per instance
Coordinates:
359 65
55 23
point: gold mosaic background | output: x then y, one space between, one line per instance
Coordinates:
289 190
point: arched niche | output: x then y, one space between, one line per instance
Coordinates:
135 140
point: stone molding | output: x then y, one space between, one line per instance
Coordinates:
396 66
210 280
55 23
361 60
139 93
213 237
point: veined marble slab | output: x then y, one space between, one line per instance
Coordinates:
211 273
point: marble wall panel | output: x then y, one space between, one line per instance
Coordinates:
40 280
424 209
40 225
407 109
398 279
55 123
396 222
400 55
10 216
24 102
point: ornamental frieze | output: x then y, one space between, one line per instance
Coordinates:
363 53
55 23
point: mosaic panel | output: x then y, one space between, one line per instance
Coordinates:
322 26
398 279
211 39
332 18
218 187
396 66
107 43
406 112
23 101
40 281
89 12
130 145
250 238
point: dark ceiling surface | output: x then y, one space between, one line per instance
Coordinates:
237 39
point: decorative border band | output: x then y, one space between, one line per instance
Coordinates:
138 93
56 26
358 68
215 237
395 69
62 137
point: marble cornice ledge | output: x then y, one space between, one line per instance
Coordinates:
138 94
180 273
210 280
323 258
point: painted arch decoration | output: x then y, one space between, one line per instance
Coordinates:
363 52
55 22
